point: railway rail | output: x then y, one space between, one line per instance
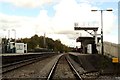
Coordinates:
63 69
62 66
11 66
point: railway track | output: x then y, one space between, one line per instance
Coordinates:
11 66
60 67
63 69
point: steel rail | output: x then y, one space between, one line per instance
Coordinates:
20 64
78 75
53 68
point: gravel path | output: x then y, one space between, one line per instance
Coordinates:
28 71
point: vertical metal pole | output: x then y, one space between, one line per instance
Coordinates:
4 33
95 34
8 34
15 43
15 36
102 50
8 45
44 41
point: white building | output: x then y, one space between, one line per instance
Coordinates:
18 47
21 48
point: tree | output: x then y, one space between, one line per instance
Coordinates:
35 40
50 43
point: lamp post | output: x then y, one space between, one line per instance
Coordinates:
102 50
4 33
3 42
8 34
44 40
14 33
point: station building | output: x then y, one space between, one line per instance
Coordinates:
13 47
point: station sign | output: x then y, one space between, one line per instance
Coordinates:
115 60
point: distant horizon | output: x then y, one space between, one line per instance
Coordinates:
60 40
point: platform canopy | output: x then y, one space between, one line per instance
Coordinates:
81 39
86 28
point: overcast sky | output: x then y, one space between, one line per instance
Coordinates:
56 18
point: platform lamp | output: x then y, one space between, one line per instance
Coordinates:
14 33
102 50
